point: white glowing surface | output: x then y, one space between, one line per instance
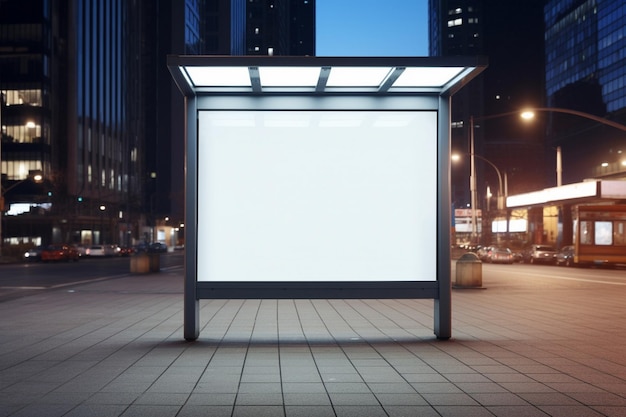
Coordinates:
317 196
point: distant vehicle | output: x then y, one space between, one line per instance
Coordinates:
33 254
81 250
112 250
157 247
544 254
103 250
500 255
59 253
126 250
599 235
95 250
483 252
565 257
140 247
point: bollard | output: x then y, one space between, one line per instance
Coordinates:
155 262
140 263
469 271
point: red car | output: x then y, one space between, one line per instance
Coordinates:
59 253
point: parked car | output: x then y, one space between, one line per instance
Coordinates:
33 254
500 255
95 250
59 253
112 250
103 250
565 257
483 252
540 254
82 250
157 247
126 251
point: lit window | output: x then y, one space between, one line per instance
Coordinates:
604 233
455 22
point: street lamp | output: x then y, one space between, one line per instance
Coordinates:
529 114
473 190
35 176
102 209
502 190
502 184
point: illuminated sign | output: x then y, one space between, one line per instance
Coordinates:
317 196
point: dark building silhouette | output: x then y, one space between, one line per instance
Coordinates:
511 36
275 27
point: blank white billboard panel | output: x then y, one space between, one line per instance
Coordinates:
287 196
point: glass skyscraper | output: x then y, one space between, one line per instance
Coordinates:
585 49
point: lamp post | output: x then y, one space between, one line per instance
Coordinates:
502 188
35 176
529 114
102 209
473 189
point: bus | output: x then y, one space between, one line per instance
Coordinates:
599 234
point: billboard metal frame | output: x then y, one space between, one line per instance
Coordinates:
389 93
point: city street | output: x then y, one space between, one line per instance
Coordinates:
549 275
17 280
21 279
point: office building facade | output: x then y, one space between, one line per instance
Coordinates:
274 27
586 72
71 109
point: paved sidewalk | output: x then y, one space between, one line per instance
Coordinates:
116 348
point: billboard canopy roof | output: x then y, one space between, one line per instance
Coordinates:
197 74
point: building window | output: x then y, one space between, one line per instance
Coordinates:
455 22
586 232
19 169
22 97
604 233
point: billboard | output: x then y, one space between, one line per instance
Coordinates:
320 195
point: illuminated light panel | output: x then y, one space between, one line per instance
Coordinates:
235 120
289 76
219 76
357 76
426 77
564 192
393 120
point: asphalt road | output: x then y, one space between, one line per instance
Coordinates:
21 279
17 280
548 276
